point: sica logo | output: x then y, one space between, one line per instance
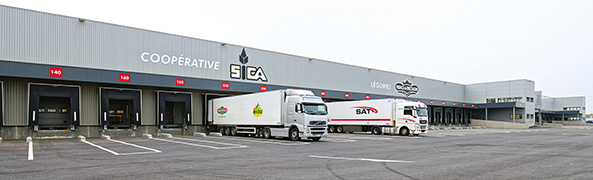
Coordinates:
257 110
365 110
247 72
222 110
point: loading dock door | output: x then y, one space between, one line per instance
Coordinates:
448 116
438 115
458 116
173 109
54 106
120 108
467 116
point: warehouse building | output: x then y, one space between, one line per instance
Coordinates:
67 76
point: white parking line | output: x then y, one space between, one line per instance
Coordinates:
30 156
265 141
198 145
120 154
214 142
338 140
362 159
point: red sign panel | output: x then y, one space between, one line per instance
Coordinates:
418 100
322 93
124 77
55 72
225 85
453 103
463 104
346 95
263 88
430 101
368 97
180 82
472 105
443 102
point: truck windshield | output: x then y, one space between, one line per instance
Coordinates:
422 112
315 109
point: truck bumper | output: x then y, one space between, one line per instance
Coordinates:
422 130
314 133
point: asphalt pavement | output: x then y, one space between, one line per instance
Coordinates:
537 153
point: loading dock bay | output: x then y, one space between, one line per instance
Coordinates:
536 153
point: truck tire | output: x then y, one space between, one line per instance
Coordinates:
294 134
267 133
227 131
233 131
221 130
376 130
404 131
340 129
316 138
332 129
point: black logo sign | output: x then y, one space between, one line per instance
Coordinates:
247 72
406 88
365 110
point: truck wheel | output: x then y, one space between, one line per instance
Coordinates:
227 131
267 133
404 131
294 134
332 129
316 138
221 130
340 129
233 131
376 130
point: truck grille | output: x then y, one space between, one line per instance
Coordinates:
317 123
423 121
317 129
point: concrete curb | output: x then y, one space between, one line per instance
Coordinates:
147 136
199 134
29 139
81 138
166 135
215 134
105 137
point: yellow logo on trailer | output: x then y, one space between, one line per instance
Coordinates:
257 111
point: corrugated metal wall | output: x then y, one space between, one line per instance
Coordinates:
43 38
148 106
16 102
197 107
89 104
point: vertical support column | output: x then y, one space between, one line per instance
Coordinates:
486 114
514 116
562 116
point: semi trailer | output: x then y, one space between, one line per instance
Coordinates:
389 116
288 113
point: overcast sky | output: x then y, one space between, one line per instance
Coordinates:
462 41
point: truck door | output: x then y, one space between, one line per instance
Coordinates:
120 108
54 106
173 109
